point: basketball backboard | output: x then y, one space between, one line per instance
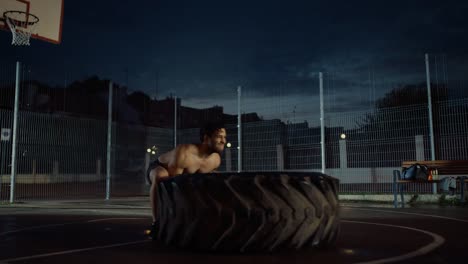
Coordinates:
48 12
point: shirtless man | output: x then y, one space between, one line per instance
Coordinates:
186 158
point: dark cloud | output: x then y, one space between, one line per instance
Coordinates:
193 48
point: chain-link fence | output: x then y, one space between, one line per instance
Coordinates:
357 125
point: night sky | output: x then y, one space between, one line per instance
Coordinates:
192 48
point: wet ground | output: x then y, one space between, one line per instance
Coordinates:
113 232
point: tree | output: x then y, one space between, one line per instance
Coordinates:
412 94
388 133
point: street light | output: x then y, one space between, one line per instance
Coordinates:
152 150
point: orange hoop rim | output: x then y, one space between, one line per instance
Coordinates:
7 15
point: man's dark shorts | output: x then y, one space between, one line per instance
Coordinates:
152 165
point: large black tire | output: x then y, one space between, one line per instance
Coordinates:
261 211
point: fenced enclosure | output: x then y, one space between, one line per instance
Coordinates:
355 126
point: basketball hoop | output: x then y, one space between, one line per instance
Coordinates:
22 25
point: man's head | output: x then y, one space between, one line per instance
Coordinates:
214 135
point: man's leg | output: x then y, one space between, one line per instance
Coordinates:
154 194
155 176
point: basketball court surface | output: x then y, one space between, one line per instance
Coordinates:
113 232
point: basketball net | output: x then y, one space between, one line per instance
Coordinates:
22 25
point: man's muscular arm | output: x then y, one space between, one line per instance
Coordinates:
214 162
178 161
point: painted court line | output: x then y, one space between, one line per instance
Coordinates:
115 218
36 227
73 251
63 224
437 239
407 213
4 261
437 242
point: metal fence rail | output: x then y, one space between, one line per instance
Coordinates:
451 132
271 125
59 157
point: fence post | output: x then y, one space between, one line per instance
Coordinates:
98 169
109 141
322 123
429 106
239 130
175 121
3 156
419 142
34 171
15 132
343 154
147 163
227 155
280 157
55 170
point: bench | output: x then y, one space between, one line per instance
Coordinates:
457 168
